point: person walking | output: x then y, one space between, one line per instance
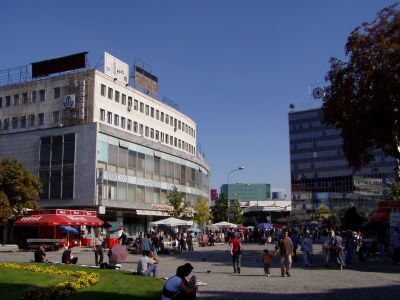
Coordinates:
236 252
285 246
145 245
337 250
325 240
295 240
307 247
98 249
267 261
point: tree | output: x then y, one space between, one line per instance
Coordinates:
237 212
19 189
352 219
176 200
220 209
363 96
202 214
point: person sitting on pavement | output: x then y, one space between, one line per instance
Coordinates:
177 287
148 264
40 254
67 257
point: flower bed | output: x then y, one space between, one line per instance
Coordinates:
60 290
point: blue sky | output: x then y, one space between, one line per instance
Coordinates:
232 66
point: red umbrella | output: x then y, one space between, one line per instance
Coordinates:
118 253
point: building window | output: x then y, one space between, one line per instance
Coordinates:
31 120
6 124
135 127
8 101
157 135
56 92
40 119
110 93
171 121
135 104
116 96
130 102
141 107
162 136
102 115
123 100
123 122
152 112
141 129
25 98
23 122
129 125
162 117
166 118
146 131
152 133
33 96
103 90
56 117
42 95
1 102
16 99
157 114
109 117
147 110
179 125
116 120
14 123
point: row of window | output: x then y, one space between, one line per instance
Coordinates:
25 97
146 109
145 131
27 121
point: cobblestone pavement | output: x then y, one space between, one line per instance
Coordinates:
371 280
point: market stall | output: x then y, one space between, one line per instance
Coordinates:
58 227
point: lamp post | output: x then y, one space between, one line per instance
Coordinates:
227 188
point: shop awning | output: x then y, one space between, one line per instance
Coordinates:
55 220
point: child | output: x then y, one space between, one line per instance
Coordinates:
267 260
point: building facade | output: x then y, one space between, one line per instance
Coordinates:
98 143
321 179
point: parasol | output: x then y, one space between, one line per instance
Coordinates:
68 229
118 253
194 229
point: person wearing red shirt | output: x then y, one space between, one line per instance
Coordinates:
236 251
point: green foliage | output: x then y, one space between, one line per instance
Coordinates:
19 189
220 209
176 200
202 214
395 191
237 213
362 98
352 219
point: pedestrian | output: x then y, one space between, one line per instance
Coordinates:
145 246
350 247
148 264
337 250
295 240
67 257
178 287
236 252
285 246
325 240
40 254
98 249
267 261
123 238
307 247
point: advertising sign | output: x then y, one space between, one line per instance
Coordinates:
69 101
116 68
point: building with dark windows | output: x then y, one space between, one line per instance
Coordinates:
97 142
321 179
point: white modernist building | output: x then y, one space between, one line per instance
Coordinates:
98 143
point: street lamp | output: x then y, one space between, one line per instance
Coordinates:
227 188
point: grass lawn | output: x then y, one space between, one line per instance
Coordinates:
115 285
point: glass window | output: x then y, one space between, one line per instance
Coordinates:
6 124
123 122
1 102
179 125
116 96
116 120
123 157
56 151
103 90
33 95
166 119
110 93
123 99
23 122
162 136
135 126
69 149
146 131
56 92
102 115
157 114
140 162
171 120
157 135
149 166
68 183
140 194
130 101
31 120
121 193
112 155
162 117
44 176
141 107
147 110
55 184
40 119
56 116
109 117
157 168
141 129
42 95
152 112
14 123
112 190
135 104
24 98
132 160
131 193
129 125
16 99
8 101
152 133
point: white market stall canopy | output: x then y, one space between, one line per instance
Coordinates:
172 222
224 224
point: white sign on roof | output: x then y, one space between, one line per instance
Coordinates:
116 68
